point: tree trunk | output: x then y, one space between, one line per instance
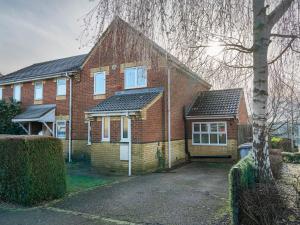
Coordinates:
261 40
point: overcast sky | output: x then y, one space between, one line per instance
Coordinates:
33 31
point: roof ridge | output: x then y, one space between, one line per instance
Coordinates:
140 91
53 60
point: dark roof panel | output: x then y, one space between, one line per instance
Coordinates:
45 69
35 112
217 103
128 100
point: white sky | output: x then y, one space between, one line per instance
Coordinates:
33 31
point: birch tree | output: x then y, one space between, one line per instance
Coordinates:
256 36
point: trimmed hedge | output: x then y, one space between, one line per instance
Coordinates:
290 157
32 169
241 177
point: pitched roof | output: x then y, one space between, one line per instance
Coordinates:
162 51
131 100
45 69
35 112
216 103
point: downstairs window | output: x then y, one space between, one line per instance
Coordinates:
209 133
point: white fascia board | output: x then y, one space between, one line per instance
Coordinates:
209 117
113 113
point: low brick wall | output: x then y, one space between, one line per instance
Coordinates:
105 157
202 150
80 150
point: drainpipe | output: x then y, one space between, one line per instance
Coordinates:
70 118
169 116
129 146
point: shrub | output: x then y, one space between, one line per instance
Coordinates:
241 176
290 157
9 110
281 143
32 169
262 205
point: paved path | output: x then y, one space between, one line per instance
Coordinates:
188 195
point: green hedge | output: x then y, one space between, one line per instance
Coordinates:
290 157
241 176
32 169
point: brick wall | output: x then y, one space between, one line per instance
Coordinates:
243 114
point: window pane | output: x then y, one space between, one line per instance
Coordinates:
99 83
130 78
196 127
204 138
38 91
213 138
213 127
204 127
105 127
1 93
17 92
222 138
61 86
196 138
125 128
61 129
221 127
141 77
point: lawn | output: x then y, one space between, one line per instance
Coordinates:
77 183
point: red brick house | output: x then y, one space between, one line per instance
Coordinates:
123 104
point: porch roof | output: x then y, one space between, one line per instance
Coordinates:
128 100
40 113
216 103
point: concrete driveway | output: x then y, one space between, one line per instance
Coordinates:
192 194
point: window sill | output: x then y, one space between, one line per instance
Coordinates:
61 97
38 102
135 87
196 144
100 96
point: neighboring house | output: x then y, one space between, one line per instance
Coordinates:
127 105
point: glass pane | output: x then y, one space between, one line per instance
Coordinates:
1 93
196 138
222 138
61 129
213 138
204 138
38 91
141 77
61 87
130 78
221 127
17 92
99 83
125 127
213 127
106 125
196 127
204 127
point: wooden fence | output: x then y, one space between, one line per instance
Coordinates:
244 134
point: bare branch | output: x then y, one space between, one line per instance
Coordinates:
278 12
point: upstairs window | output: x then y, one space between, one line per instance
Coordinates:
17 92
1 93
61 87
105 129
38 90
209 133
135 77
99 83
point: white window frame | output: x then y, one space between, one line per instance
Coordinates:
14 92
56 128
1 93
136 77
122 124
65 90
99 74
209 132
42 89
105 139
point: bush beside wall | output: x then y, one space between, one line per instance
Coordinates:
290 157
241 177
32 169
